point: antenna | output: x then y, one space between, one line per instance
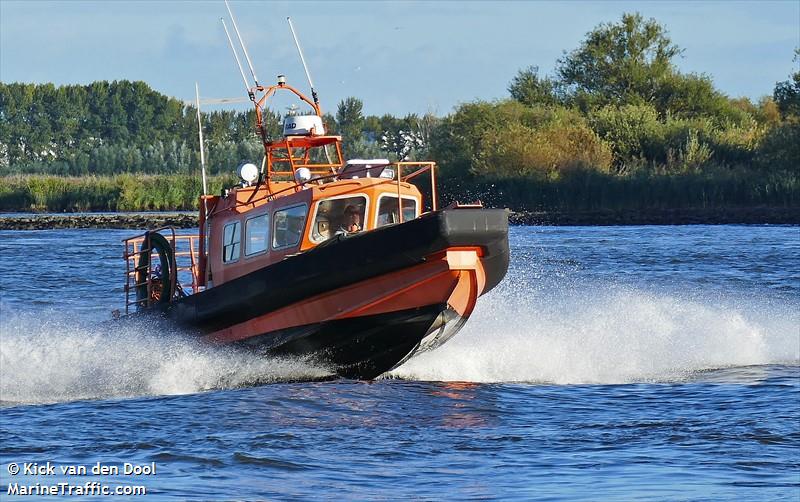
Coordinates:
241 70
202 153
303 59
244 47
310 83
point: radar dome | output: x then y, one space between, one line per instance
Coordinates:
303 125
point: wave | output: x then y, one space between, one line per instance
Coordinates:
554 333
45 358
608 333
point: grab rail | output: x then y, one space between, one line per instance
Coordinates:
427 166
183 247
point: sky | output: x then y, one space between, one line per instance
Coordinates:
397 57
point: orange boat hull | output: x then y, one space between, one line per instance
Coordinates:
361 305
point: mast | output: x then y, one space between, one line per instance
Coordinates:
202 149
259 94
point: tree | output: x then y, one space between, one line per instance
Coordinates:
780 147
402 143
767 111
691 96
787 93
107 128
350 122
619 63
529 88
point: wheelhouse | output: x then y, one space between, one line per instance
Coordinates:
244 236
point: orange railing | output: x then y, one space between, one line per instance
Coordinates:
422 167
185 250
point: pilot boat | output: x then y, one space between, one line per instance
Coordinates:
351 263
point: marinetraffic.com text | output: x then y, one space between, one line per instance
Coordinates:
48 478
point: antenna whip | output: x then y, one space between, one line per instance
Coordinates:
241 70
303 59
244 47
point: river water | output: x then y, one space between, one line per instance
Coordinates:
613 363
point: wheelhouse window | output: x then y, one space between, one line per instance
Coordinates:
288 226
231 239
256 231
388 210
338 215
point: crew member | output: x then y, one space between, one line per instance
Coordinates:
352 220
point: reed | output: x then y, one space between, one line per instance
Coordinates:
104 193
572 190
583 190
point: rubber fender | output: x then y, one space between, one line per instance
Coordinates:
166 258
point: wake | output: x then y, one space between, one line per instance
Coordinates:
605 333
48 358
568 334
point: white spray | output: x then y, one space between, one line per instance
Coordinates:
58 360
601 333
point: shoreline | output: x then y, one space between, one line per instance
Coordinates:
728 216
629 217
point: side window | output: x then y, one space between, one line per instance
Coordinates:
231 239
288 226
341 215
256 231
388 210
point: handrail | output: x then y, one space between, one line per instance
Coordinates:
135 248
283 152
425 167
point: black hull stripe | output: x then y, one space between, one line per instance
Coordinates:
344 261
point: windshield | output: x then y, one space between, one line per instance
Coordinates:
340 215
388 210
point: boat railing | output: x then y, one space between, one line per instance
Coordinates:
184 271
411 170
295 152
417 168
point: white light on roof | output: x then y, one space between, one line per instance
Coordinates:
302 174
248 172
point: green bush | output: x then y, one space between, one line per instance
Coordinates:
547 152
780 148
